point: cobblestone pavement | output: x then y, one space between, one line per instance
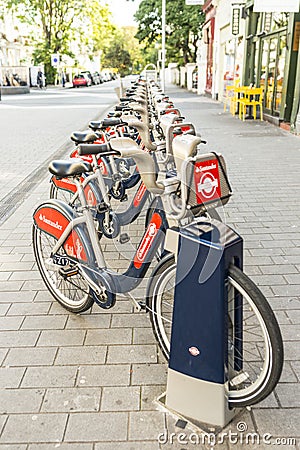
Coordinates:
89 381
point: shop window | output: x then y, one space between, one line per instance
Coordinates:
279 20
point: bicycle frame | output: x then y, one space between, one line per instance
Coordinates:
95 270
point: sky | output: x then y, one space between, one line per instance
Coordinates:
122 11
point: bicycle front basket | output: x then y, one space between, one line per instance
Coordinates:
207 182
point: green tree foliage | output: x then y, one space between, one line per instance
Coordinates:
59 22
116 54
183 28
96 20
133 46
124 52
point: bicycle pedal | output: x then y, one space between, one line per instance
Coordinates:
124 238
68 271
124 198
102 208
142 305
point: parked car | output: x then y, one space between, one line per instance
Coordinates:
88 74
100 77
81 80
96 78
105 76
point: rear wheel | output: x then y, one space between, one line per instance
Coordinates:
65 282
255 361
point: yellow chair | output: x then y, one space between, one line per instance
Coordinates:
231 96
251 97
235 97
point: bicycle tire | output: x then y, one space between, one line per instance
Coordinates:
60 194
242 394
73 293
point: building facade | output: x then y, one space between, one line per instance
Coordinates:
240 43
14 51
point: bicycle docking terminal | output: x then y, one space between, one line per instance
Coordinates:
197 383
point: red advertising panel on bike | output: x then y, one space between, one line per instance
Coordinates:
139 195
146 243
207 180
53 222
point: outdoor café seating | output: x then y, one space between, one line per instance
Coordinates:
241 98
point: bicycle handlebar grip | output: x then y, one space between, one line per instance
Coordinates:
93 149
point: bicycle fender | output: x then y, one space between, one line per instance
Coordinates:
91 190
53 217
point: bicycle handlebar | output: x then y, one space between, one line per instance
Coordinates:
128 148
95 149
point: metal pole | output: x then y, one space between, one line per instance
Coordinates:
163 38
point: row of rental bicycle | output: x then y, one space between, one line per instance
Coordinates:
148 157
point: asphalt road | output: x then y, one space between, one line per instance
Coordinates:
38 125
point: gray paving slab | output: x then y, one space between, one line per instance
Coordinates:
61 337
81 355
61 446
20 338
146 425
108 336
21 400
10 377
29 428
49 376
13 446
278 422
71 400
121 398
91 427
30 356
104 375
133 354
90 381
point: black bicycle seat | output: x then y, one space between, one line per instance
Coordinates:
83 137
69 168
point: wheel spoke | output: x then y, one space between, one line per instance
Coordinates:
249 352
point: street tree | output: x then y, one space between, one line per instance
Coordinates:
116 54
56 24
132 45
183 25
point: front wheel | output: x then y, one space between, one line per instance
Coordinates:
65 283
255 360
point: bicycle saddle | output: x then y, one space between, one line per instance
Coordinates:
136 99
83 137
69 168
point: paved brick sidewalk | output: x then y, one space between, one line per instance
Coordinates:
88 382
